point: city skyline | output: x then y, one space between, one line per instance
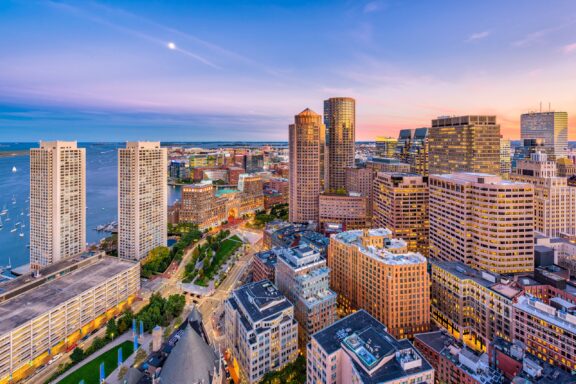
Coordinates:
103 72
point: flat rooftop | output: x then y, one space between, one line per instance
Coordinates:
41 299
366 338
261 300
525 305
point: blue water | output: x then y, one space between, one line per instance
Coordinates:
101 196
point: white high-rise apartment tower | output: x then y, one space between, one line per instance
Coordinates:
142 199
57 202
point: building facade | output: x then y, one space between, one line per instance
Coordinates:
505 157
555 200
339 213
340 122
260 329
483 221
358 349
373 271
306 147
552 127
57 202
303 277
44 316
404 142
386 146
464 144
142 199
360 180
418 153
401 205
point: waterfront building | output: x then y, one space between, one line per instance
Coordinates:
303 277
474 306
142 199
46 315
380 164
483 221
340 122
555 200
179 169
359 349
373 271
260 329
453 362
520 366
418 153
306 145
341 212
208 206
401 205
552 127
403 144
386 146
464 144
548 330
505 157
57 202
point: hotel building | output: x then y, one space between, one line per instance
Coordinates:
142 199
483 221
260 329
464 144
401 205
41 317
208 206
302 276
306 148
373 271
547 330
555 200
57 202
341 212
340 122
550 126
358 349
474 306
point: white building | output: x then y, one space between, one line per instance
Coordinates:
57 202
142 199
260 328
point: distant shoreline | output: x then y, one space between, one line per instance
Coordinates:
21 152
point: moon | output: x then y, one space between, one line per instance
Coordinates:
171 45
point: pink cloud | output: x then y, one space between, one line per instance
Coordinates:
569 48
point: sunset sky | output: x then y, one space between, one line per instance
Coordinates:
240 70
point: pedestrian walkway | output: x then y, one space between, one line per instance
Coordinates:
106 348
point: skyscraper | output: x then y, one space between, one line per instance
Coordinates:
483 221
464 144
401 205
306 147
340 121
555 200
418 153
57 202
505 157
142 199
550 126
403 145
373 271
386 146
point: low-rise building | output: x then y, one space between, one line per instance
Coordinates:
287 235
260 329
303 277
264 264
373 271
385 164
453 362
358 349
44 315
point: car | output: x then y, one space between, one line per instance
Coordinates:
56 357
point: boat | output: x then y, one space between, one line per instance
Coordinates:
1 224
14 169
13 229
21 233
13 199
4 210
9 266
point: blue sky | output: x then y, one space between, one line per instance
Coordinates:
102 70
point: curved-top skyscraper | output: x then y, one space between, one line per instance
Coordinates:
340 122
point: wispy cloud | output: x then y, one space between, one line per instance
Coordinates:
569 48
478 36
538 36
374 6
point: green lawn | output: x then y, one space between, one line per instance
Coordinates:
91 371
228 247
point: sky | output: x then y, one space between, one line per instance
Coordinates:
240 70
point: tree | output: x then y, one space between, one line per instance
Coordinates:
77 355
140 356
122 372
111 329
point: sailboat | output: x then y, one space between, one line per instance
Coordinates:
13 229
4 210
13 199
14 169
21 233
1 224
9 266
